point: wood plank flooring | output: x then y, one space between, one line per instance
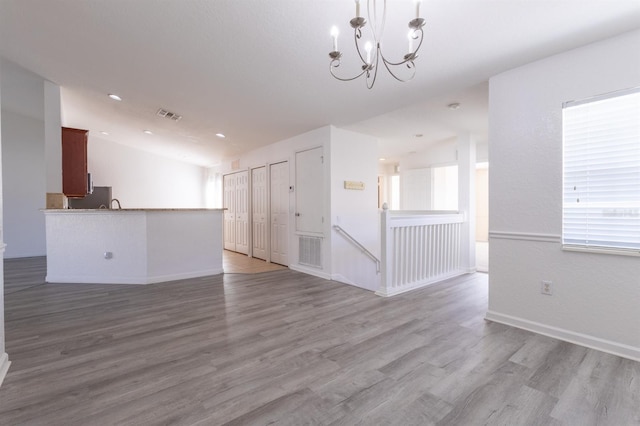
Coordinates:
287 348
237 263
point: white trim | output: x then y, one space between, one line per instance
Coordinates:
310 271
525 236
4 366
154 279
601 250
392 291
602 96
619 349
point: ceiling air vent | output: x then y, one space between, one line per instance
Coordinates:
168 114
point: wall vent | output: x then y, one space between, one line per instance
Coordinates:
310 251
168 114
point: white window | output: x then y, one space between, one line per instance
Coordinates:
601 159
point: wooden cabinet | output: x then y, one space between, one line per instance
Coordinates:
74 162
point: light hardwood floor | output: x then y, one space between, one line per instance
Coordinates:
237 263
287 348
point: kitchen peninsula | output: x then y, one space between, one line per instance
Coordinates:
132 246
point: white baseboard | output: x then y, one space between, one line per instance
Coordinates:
310 271
152 279
592 342
4 366
399 290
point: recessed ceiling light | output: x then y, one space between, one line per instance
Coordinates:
220 135
454 106
115 97
148 132
382 159
105 133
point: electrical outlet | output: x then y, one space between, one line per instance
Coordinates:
546 287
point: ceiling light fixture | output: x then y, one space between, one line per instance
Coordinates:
115 97
148 132
454 106
104 133
220 135
373 58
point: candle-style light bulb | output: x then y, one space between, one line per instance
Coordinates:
357 8
367 47
418 8
410 37
334 34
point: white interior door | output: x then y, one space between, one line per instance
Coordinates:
259 212
242 212
228 202
309 191
279 185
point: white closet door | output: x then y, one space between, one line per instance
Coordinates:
310 191
229 191
279 185
259 212
242 212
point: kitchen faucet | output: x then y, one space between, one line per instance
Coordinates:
117 201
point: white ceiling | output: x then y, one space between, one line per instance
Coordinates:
258 70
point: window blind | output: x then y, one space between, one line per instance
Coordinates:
601 172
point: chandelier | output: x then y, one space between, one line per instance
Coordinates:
373 57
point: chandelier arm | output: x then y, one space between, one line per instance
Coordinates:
375 69
373 80
377 28
395 64
409 65
331 67
357 35
420 43
409 59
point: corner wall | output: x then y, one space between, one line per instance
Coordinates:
354 157
23 156
595 296
4 358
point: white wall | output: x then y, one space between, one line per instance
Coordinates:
4 359
53 137
143 180
596 297
24 185
354 157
